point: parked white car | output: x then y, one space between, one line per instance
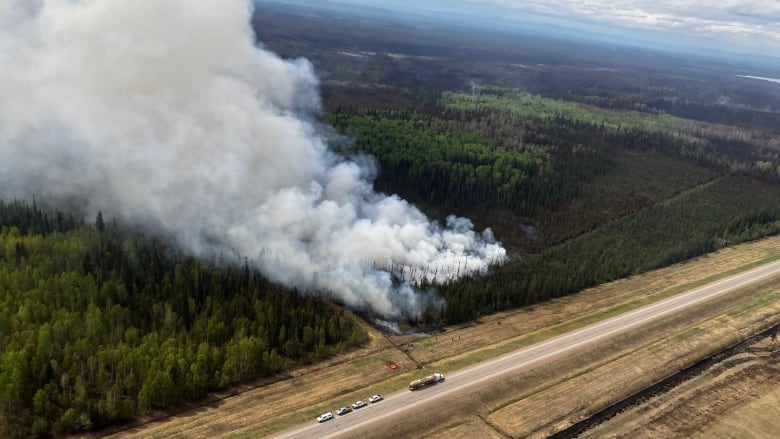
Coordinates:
375 398
358 404
325 417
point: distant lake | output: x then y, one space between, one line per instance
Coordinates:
761 78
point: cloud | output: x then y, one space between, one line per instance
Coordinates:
738 23
167 113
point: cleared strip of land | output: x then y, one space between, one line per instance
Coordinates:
634 361
404 408
317 389
735 393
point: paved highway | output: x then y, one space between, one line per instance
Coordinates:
523 359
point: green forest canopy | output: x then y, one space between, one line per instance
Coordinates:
97 326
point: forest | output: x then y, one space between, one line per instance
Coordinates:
543 166
98 324
589 163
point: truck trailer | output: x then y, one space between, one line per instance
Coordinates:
425 381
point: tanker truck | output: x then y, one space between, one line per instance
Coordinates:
422 382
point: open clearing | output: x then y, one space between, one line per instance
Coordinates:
536 403
737 395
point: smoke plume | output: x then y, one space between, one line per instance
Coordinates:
169 113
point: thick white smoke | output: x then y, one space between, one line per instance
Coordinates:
167 112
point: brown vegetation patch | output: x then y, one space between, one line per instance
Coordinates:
732 395
756 418
473 428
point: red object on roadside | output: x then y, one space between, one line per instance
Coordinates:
393 366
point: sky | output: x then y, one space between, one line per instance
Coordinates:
745 26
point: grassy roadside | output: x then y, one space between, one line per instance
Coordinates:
284 404
544 399
567 391
471 358
547 333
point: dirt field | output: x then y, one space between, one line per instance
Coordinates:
757 418
472 429
537 403
736 397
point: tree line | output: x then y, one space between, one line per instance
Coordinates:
745 149
725 211
430 160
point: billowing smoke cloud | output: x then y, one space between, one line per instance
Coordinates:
167 112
